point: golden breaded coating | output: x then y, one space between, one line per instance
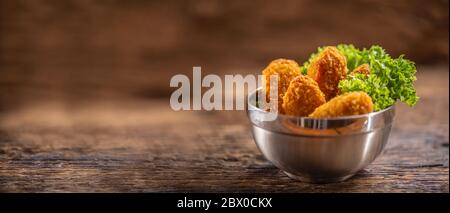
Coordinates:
327 70
361 69
352 103
302 97
286 70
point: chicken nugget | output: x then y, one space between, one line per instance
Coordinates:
361 69
286 70
352 103
302 96
327 69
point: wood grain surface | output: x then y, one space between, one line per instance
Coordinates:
143 146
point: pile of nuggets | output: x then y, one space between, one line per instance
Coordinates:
317 94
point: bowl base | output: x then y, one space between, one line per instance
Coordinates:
318 180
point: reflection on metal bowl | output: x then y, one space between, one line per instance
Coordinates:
320 150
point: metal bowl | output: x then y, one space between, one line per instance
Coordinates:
320 150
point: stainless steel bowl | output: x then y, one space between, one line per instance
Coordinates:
320 150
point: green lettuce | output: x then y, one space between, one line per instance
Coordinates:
389 80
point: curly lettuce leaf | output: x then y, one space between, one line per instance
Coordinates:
389 80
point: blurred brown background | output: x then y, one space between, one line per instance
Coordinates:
79 50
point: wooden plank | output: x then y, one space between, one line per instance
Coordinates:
143 146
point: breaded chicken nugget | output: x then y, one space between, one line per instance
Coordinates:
361 69
286 70
352 103
327 69
302 97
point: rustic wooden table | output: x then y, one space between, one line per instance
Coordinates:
144 146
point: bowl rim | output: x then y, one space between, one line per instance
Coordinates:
348 117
